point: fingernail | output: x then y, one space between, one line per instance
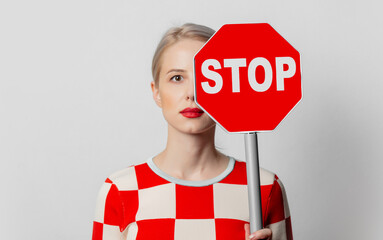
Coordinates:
251 236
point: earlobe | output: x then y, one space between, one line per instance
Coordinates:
156 94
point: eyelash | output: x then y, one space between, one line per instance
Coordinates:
173 78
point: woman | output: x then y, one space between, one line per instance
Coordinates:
190 190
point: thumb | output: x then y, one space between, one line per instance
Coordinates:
247 231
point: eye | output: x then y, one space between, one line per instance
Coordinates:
176 78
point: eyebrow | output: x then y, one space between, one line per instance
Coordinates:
175 70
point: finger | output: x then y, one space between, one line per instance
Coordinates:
261 234
247 230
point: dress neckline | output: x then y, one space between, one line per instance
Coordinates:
202 183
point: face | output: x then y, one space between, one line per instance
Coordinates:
175 91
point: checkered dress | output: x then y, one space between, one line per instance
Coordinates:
142 202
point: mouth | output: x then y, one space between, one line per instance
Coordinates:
192 112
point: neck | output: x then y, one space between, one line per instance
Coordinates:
190 156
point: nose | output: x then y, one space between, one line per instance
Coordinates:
190 90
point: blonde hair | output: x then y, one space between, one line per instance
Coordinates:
173 35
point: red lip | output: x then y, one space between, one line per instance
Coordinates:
191 112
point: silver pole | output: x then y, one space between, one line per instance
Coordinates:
253 181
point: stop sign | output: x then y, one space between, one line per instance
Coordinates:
247 77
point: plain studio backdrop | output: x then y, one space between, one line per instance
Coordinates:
76 106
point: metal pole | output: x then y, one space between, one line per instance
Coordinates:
253 181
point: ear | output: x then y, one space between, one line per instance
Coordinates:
156 94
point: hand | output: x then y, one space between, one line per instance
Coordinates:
258 235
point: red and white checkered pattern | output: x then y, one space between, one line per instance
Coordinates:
138 204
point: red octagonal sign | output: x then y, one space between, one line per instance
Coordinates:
247 77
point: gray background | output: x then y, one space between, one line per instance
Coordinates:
75 105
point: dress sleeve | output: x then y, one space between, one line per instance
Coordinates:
278 217
108 220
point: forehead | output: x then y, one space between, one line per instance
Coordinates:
180 54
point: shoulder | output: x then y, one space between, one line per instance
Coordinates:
124 179
267 177
270 178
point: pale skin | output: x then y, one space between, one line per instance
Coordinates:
191 138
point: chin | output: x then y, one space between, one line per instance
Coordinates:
191 126
197 129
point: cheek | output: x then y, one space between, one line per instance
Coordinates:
171 99
209 121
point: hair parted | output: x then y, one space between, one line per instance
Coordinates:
173 35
